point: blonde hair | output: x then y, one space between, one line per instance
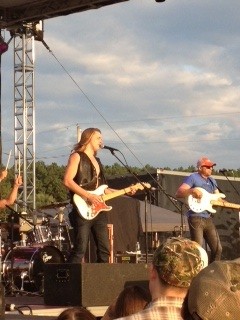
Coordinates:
85 139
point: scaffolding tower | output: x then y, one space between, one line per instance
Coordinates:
24 113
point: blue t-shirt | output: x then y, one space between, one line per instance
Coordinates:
209 184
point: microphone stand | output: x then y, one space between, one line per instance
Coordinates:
146 191
179 205
225 175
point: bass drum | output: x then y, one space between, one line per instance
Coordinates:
25 266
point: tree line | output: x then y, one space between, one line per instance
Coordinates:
50 188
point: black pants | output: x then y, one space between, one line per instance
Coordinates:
82 229
204 228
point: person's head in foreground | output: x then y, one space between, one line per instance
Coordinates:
175 263
132 299
214 293
76 313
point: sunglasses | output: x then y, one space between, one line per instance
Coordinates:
208 167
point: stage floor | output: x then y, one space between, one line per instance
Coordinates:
34 308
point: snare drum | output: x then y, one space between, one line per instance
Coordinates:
28 265
40 234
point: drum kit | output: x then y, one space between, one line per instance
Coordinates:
44 240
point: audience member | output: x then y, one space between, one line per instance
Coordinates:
175 263
214 293
131 300
76 313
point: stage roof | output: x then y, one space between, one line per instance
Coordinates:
16 12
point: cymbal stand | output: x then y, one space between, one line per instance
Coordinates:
60 219
12 288
34 219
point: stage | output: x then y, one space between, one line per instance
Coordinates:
35 308
91 285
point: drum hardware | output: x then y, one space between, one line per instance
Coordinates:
60 233
28 266
60 230
39 235
13 290
23 275
56 205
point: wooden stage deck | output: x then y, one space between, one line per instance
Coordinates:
33 307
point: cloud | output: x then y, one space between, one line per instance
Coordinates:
160 80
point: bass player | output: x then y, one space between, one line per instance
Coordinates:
201 224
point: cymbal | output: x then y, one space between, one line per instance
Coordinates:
55 205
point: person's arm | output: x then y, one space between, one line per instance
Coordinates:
185 190
12 195
130 193
3 175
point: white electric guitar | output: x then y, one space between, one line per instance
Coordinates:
209 200
89 211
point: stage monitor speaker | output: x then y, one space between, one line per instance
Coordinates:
90 284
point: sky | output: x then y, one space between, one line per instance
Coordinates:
161 81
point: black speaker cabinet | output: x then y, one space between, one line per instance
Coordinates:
90 284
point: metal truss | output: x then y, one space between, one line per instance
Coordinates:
24 114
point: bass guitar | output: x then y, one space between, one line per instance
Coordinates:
209 200
89 211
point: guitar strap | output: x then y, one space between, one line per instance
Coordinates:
214 185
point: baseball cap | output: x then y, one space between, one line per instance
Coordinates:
178 260
215 292
204 161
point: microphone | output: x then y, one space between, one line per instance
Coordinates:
223 170
109 148
153 189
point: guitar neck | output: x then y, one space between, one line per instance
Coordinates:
225 204
116 194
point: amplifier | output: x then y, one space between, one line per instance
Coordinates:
89 284
133 258
126 258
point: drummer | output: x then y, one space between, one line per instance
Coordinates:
3 175
10 199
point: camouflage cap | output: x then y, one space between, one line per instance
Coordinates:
215 292
178 260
